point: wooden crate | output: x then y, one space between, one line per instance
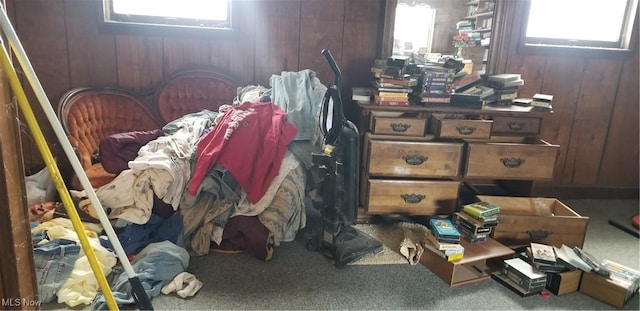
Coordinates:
604 289
523 220
473 267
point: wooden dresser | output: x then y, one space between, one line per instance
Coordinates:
416 160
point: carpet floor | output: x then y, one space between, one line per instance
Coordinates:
299 279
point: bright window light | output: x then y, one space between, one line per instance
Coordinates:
592 20
216 10
579 26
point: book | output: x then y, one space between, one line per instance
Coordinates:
543 253
524 274
474 225
401 82
443 228
543 97
392 95
507 282
435 99
504 77
524 102
465 82
448 248
449 254
481 209
467 100
546 268
596 266
361 93
567 254
501 85
394 90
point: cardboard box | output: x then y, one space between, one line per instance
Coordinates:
565 282
523 220
604 289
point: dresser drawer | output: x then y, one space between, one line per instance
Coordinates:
446 126
399 126
414 159
514 158
412 197
515 126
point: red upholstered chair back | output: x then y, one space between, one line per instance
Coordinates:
193 91
89 115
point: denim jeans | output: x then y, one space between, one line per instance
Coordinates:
155 266
54 262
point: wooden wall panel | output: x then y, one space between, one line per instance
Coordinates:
619 163
139 61
181 53
321 28
91 54
277 32
559 75
598 86
45 43
240 50
358 47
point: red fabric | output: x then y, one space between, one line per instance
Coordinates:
118 149
250 141
247 233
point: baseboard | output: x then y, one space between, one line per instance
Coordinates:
568 192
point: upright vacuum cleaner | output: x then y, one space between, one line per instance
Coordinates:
337 167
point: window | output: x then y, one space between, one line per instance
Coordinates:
580 24
413 30
167 16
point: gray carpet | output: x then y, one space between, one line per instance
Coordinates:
303 280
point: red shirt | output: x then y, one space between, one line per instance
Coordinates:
250 141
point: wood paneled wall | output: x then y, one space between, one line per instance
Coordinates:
595 99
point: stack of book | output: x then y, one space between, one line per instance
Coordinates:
393 91
483 216
542 102
473 227
392 84
444 239
506 87
524 276
543 258
435 84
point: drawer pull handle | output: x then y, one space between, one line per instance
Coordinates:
538 235
515 126
399 127
414 159
465 130
412 198
511 162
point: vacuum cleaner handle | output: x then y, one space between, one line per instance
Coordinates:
334 66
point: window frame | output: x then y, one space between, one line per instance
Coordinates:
114 23
587 48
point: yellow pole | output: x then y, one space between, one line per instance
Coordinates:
57 177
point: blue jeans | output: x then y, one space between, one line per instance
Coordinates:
54 262
155 266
